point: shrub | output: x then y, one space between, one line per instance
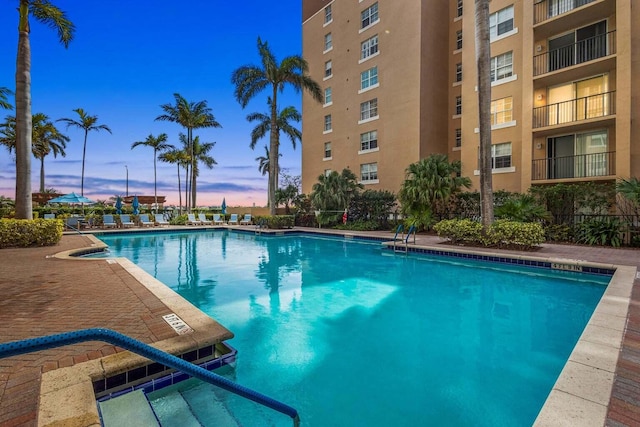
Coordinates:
179 220
603 232
306 220
459 230
275 221
559 233
502 233
25 233
359 225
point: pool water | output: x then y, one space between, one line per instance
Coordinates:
349 334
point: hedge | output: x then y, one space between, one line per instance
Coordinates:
275 221
501 234
24 233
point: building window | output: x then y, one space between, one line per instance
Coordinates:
328 71
501 22
369 47
327 123
328 41
369 78
327 150
328 17
501 111
327 96
459 72
368 172
459 39
369 140
502 66
459 9
458 142
458 105
501 155
369 109
369 16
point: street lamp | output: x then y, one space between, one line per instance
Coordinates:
127 168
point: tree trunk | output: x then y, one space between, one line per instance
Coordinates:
84 153
42 174
24 207
273 152
179 192
155 182
483 59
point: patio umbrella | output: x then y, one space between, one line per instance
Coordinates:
71 198
135 204
118 205
224 206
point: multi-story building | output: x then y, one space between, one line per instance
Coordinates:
400 83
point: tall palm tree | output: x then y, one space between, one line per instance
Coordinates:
190 115
201 155
47 139
51 16
179 158
158 143
87 123
4 101
253 79
483 60
263 167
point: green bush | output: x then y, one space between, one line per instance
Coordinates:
502 233
359 225
459 230
559 233
603 232
25 233
275 221
179 220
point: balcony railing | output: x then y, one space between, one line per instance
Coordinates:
575 110
578 166
585 50
547 9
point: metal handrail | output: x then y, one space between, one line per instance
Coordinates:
574 110
543 10
14 348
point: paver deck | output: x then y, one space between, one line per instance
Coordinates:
41 295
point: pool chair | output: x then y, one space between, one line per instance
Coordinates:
125 220
49 216
191 220
246 220
159 220
108 221
203 219
233 219
217 219
145 221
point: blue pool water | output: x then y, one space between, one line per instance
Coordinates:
351 335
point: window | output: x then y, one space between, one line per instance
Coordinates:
584 44
501 22
369 109
328 41
369 47
327 150
458 142
459 9
369 172
369 16
502 66
459 72
501 155
327 123
369 140
327 96
501 110
327 69
328 17
459 39
369 78
458 105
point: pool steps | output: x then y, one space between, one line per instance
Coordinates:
131 406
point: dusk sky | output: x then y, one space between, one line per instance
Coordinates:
129 57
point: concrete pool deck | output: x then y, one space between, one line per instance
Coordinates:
42 294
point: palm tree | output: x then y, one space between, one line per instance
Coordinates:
54 18
263 167
8 133
190 115
483 60
252 79
4 101
334 191
87 123
47 139
201 155
179 158
158 144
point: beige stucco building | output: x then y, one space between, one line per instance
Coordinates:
399 78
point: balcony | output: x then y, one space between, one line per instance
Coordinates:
578 166
585 50
547 9
575 110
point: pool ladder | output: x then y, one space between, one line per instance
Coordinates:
403 245
261 224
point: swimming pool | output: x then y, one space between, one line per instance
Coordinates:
345 332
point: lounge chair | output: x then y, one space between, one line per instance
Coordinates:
108 221
125 220
203 219
50 216
160 220
145 221
217 219
233 219
191 220
246 220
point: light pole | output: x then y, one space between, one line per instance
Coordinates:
127 168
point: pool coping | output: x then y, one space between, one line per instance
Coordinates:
580 395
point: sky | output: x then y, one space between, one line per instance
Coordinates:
129 57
